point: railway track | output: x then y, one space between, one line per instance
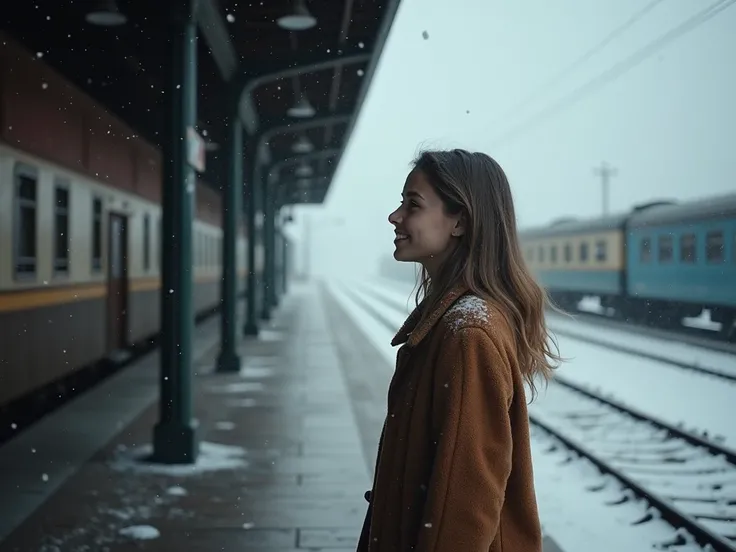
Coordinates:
692 336
689 480
715 371
706 339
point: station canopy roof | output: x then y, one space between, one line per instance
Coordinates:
313 61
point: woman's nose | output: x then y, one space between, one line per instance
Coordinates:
393 218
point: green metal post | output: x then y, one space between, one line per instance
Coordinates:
285 264
174 439
251 317
228 360
269 204
277 257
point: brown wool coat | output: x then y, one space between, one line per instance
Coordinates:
454 466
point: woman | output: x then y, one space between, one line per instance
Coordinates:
454 467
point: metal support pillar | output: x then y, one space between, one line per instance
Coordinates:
278 244
284 263
174 439
269 204
228 360
251 317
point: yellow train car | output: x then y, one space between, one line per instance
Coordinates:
80 269
572 259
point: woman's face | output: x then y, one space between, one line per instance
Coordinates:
425 233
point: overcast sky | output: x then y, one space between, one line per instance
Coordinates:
667 124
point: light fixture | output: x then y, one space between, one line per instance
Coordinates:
106 14
302 145
299 19
303 171
302 109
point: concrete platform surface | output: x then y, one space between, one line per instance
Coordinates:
281 464
287 449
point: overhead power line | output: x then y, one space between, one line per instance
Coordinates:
544 87
616 70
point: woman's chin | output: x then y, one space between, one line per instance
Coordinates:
401 254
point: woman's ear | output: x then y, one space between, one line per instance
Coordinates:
459 228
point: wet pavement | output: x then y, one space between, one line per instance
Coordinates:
281 465
287 449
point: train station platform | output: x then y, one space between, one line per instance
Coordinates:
287 448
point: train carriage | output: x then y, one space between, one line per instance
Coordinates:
574 258
658 264
682 259
80 233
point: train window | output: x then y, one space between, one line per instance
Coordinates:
584 252
714 246
568 253
645 252
553 254
96 234
687 248
530 254
665 249
61 227
146 242
600 251
26 183
541 253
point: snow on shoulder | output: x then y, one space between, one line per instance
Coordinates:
469 310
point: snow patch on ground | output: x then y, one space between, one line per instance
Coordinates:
176 490
140 532
238 387
257 372
212 457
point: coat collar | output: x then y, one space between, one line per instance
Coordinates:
412 332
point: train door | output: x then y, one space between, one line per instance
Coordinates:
117 283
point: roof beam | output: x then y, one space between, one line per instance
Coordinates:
309 62
287 125
388 18
321 154
218 38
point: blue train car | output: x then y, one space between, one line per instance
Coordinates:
682 258
574 258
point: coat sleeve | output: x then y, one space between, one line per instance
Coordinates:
472 431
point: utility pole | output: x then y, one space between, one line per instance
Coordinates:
605 172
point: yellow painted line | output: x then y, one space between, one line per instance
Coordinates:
32 299
35 298
144 284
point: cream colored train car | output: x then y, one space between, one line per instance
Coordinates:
80 269
572 259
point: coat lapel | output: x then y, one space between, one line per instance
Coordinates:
412 332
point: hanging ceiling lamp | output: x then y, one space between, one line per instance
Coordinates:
302 109
106 14
304 170
302 145
299 19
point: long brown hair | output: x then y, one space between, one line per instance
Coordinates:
488 257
